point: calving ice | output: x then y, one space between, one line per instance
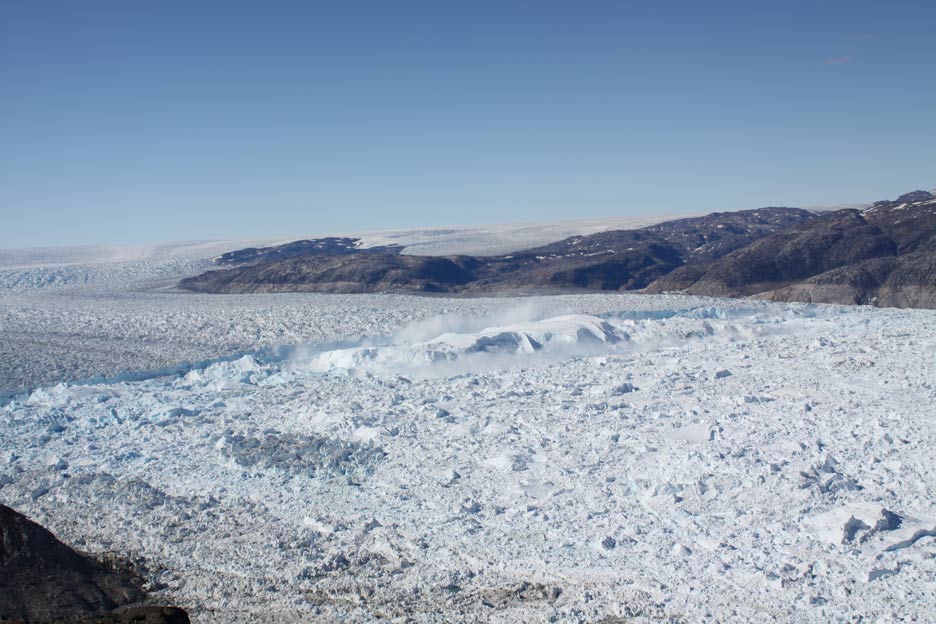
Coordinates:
603 453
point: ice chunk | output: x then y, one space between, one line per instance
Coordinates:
853 523
570 334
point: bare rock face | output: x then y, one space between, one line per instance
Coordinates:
704 239
340 273
884 256
912 196
828 242
43 580
908 281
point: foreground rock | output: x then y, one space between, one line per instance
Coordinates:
129 615
43 580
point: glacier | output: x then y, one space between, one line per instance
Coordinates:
574 458
643 457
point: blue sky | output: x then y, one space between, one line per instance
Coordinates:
133 121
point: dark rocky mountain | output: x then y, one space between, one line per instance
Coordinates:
343 273
631 259
43 580
614 260
909 221
703 239
907 281
785 257
885 255
330 245
624 260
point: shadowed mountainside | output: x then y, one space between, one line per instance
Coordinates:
885 255
345 273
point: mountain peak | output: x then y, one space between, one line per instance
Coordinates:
915 196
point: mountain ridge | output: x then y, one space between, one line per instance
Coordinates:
610 260
884 254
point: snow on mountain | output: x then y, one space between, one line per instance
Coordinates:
499 239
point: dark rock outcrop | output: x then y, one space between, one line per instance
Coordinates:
885 256
345 273
912 196
907 281
622 260
703 239
631 259
331 245
128 615
783 258
43 580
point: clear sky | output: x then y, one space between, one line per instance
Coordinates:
133 121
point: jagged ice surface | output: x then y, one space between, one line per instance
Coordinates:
651 457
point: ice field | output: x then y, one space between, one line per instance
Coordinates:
294 458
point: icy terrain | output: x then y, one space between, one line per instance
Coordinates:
283 458
557 459
74 313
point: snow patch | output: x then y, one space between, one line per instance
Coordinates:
853 523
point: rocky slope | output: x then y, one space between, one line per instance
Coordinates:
43 580
343 273
907 281
614 260
330 245
885 255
